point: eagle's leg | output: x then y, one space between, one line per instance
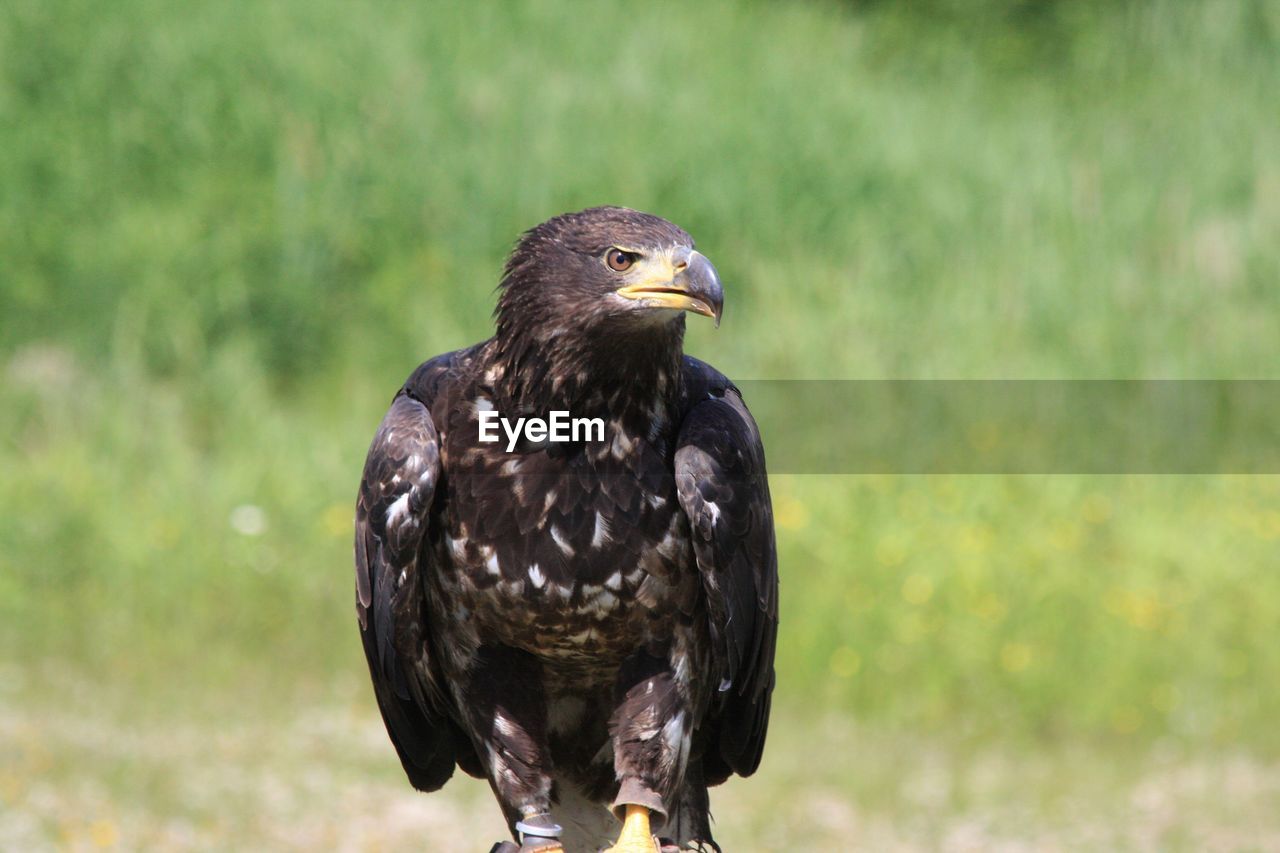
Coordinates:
506 707
636 836
650 732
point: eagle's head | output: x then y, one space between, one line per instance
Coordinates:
605 273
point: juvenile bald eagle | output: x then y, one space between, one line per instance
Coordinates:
587 624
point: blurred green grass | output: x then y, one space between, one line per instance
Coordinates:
229 230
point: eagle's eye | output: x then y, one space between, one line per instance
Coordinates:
619 261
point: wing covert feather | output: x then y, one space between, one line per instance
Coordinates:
724 491
392 509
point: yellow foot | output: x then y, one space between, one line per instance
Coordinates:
635 837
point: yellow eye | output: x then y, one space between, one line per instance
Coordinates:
619 261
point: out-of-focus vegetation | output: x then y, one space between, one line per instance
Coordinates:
229 230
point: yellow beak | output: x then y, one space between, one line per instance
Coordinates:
695 287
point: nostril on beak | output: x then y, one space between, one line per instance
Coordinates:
681 266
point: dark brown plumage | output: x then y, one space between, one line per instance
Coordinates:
589 624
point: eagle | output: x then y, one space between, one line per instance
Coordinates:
586 620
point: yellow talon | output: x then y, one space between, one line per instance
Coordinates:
635 837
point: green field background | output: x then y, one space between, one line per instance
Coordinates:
229 230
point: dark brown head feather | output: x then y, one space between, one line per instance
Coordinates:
554 319
558 266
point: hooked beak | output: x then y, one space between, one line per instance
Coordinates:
693 286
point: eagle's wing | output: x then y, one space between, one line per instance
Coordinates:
400 476
722 485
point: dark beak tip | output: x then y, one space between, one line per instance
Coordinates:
704 283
